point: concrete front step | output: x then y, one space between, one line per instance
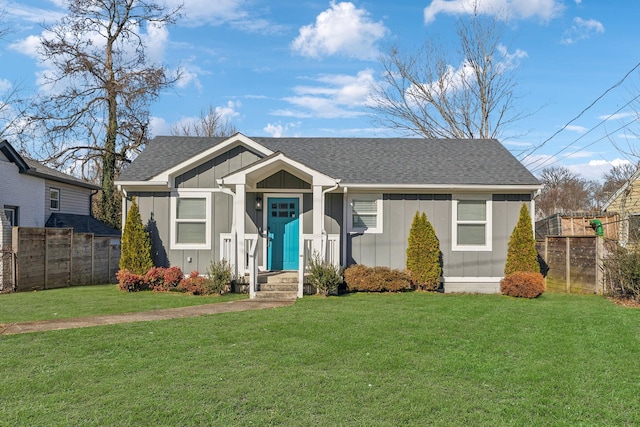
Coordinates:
276 295
277 286
278 277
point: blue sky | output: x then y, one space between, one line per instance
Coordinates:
303 67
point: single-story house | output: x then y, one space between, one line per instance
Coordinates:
268 204
33 195
626 203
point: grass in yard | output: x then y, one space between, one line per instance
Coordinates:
359 360
92 301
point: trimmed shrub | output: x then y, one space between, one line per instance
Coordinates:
325 276
193 284
135 247
355 276
423 254
376 279
219 277
523 284
160 279
173 276
622 272
521 252
130 282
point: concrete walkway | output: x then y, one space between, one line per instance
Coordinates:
111 319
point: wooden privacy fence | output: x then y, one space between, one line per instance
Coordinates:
572 264
48 258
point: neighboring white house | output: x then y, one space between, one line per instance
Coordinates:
33 195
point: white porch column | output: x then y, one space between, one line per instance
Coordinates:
318 218
238 213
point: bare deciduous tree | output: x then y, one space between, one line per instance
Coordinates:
564 192
423 94
96 106
210 124
12 107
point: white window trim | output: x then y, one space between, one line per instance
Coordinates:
174 206
488 223
371 230
51 189
13 219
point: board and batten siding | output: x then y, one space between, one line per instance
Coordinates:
73 199
389 247
155 210
205 174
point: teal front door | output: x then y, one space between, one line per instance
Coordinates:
283 222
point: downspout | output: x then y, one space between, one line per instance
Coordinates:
323 232
343 229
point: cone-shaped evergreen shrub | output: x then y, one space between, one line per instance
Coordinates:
136 245
423 254
521 253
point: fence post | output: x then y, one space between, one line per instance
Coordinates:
599 265
6 258
567 262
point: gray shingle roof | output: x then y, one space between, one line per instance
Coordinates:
81 224
35 168
393 161
38 169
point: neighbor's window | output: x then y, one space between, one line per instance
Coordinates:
471 224
11 213
365 214
191 222
54 199
634 228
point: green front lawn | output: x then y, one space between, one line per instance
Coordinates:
359 360
84 301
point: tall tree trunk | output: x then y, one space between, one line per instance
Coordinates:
108 205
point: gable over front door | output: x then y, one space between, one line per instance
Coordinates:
283 222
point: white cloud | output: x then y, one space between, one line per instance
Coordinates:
229 111
200 12
278 130
517 143
155 40
5 85
582 29
27 46
158 126
581 155
595 169
618 116
578 129
335 96
454 79
17 12
341 30
544 10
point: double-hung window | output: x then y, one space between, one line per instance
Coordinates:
365 213
191 214
472 223
54 199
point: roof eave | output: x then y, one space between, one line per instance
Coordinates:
445 187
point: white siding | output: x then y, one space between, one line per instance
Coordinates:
24 191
